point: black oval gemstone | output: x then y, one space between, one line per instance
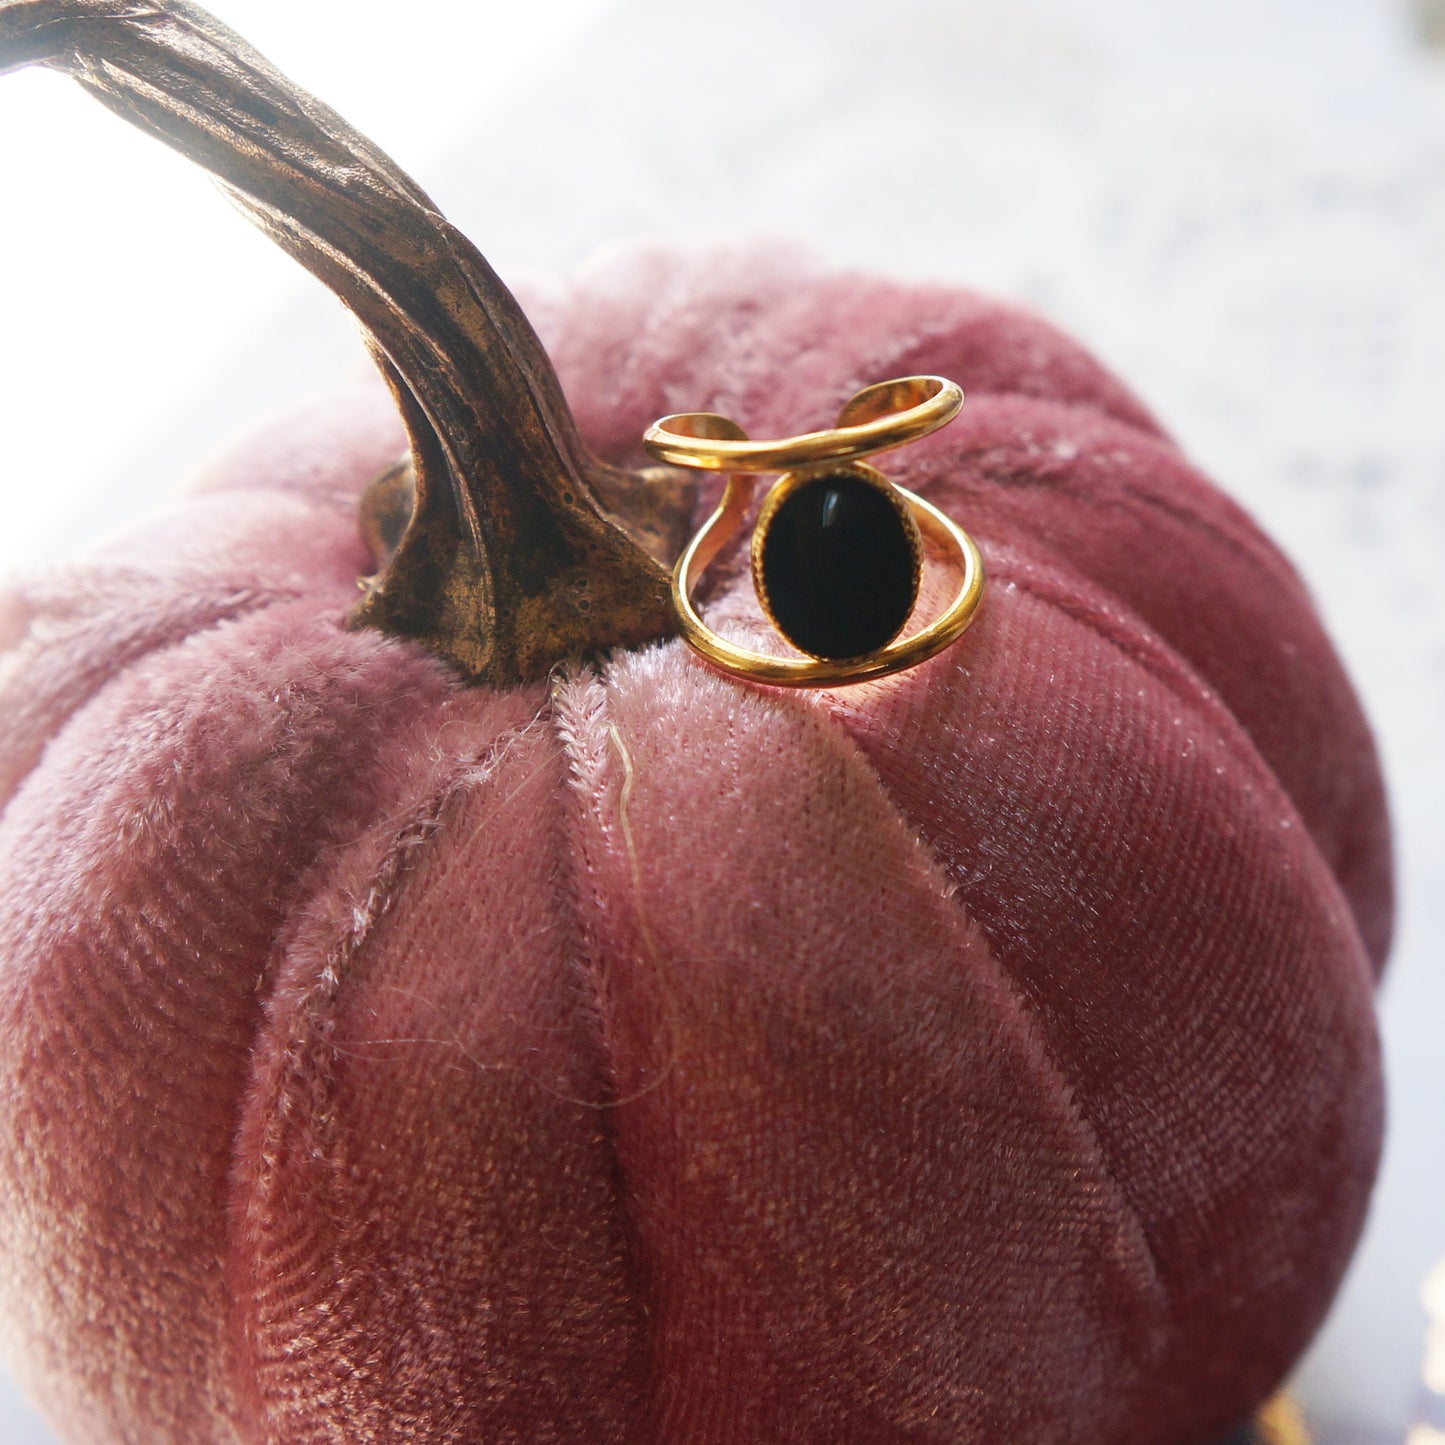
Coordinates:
838 568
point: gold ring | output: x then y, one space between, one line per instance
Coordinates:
837 555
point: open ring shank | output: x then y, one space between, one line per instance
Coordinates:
876 419
815 672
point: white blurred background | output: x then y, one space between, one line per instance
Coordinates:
1241 206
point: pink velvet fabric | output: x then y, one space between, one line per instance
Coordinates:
984 1054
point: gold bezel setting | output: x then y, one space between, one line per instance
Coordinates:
875 419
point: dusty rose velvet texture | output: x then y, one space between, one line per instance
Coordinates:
984 1054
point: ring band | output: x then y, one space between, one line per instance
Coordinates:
876 419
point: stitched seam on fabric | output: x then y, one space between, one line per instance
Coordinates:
1197 700
405 849
1176 684
589 970
1076 1109
1035 1034
1239 740
403 853
1235 735
1245 539
920 475
1177 681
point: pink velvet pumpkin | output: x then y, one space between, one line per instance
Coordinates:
982 1054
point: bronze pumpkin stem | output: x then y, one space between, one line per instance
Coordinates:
509 563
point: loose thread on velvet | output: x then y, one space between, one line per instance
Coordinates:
644 928
448 1035
481 771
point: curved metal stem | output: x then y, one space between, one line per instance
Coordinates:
509 563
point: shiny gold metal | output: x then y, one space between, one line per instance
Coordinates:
1280 1422
876 419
